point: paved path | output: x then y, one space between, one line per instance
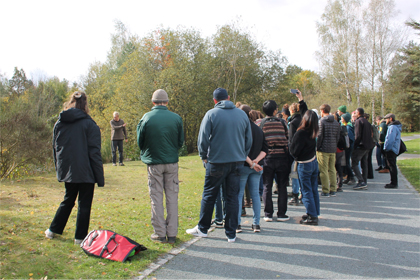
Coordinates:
411 137
361 234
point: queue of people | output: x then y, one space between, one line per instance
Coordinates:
239 148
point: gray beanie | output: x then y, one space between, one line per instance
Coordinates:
160 96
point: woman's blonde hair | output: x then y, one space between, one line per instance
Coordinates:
77 100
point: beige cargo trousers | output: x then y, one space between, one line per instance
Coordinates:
164 178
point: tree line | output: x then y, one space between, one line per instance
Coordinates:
189 67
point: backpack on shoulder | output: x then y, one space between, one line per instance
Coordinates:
344 140
375 134
110 245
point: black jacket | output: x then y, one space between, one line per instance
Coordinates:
363 134
77 148
329 134
258 143
302 147
296 119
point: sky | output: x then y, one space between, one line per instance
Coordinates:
62 38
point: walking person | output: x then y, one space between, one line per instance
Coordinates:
328 137
392 148
78 163
363 143
160 135
251 172
303 149
224 141
118 134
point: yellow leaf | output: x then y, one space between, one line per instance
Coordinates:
31 274
32 212
103 273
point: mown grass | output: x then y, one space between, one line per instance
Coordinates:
27 207
410 168
413 146
403 134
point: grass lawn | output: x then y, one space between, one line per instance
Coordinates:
410 168
27 207
413 146
409 133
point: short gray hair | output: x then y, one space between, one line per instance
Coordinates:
116 113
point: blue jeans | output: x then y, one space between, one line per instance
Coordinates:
295 186
308 180
380 157
348 153
220 206
251 177
216 174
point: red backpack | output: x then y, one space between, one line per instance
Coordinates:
110 245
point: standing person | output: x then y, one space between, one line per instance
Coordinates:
303 148
383 129
341 111
392 148
78 162
346 121
363 143
329 134
224 141
380 157
275 163
160 135
251 172
297 110
118 134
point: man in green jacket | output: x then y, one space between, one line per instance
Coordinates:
160 135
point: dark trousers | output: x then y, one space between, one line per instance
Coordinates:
85 192
360 155
391 159
370 165
279 167
216 174
117 144
349 152
339 169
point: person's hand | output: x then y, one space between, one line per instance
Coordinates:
257 167
126 140
124 124
299 95
205 160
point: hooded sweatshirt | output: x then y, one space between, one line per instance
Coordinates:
393 137
77 148
225 134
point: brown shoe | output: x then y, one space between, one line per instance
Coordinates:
385 170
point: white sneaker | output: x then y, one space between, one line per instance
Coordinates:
49 234
78 241
232 240
196 232
268 219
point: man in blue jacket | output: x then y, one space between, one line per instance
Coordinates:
224 141
392 148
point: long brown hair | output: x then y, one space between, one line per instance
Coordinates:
310 123
77 100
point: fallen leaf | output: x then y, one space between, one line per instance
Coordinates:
103 273
31 274
32 212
